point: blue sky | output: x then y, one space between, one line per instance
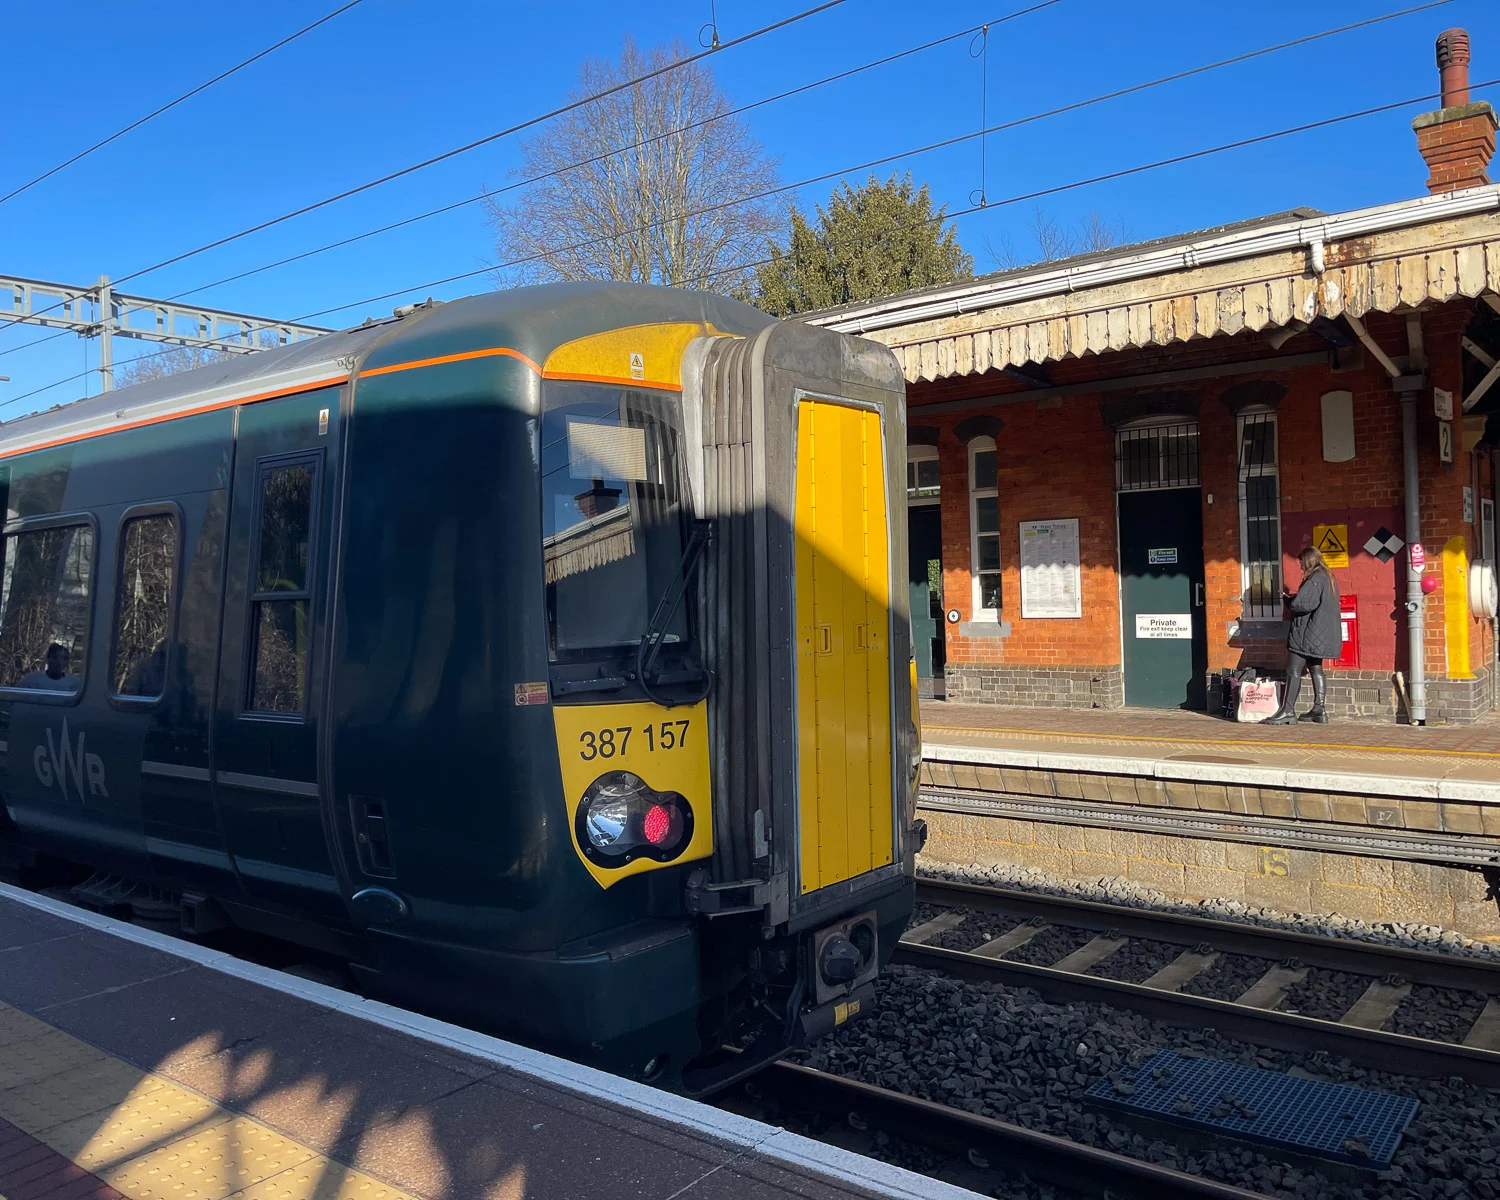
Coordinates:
391 82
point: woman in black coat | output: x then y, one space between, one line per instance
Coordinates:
1317 633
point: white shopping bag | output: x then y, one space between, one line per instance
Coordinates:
1258 700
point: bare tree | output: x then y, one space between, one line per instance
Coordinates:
623 182
162 363
1055 241
159 364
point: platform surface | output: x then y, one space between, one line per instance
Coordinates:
1465 759
137 1067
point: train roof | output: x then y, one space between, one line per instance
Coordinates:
532 321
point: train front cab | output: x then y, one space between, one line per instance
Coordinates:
773 750
804 452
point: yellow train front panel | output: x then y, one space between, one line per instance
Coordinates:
605 747
846 824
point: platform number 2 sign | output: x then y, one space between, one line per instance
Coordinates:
1274 861
1445 441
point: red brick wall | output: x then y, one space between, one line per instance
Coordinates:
1054 463
1058 462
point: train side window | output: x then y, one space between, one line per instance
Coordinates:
281 592
144 588
45 594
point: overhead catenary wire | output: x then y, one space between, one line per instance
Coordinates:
1044 115
945 216
800 89
674 65
1015 123
1075 106
188 95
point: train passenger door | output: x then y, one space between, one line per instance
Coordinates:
271 665
843 644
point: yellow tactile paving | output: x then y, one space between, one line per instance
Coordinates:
16 1026
54 1051
80 1092
324 1180
210 1165
151 1138
145 1120
1104 738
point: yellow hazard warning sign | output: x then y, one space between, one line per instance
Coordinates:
1332 542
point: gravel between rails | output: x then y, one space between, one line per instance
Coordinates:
1114 890
1049 945
1007 1053
1327 995
1229 978
1438 1013
1137 961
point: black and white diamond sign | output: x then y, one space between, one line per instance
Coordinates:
1384 544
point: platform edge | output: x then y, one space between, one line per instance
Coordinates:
770 1141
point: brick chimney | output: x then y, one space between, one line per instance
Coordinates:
1458 140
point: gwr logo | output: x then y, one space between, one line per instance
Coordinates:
52 767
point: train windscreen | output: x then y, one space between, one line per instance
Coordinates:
613 519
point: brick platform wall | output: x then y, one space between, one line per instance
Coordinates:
1039 687
1290 880
1371 695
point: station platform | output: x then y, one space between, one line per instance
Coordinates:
134 1066
1381 823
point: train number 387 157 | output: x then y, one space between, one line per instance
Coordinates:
610 743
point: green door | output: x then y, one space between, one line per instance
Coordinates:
924 552
266 729
1161 571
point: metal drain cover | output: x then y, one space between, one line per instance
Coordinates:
1331 1120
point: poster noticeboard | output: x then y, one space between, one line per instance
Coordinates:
1051 574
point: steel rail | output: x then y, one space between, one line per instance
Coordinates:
1395 1052
998 1144
1313 949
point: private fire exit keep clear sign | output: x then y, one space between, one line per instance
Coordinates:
1172 626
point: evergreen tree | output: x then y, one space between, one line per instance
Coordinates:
868 242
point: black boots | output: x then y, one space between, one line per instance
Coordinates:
1318 715
1287 713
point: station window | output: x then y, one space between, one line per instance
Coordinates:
45 593
281 588
143 605
1150 457
922 475
1260 517
984 527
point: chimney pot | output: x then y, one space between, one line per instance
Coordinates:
1453 66
1458 140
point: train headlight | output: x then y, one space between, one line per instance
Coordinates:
621 818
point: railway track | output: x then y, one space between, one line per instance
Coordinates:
980 1143
1290 958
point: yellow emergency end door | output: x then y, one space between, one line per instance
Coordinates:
843 647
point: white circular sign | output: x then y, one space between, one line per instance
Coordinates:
953 616
1484 590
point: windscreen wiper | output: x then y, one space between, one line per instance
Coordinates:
700 536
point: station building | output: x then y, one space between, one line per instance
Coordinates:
1115 459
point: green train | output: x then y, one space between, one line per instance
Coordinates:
538 654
